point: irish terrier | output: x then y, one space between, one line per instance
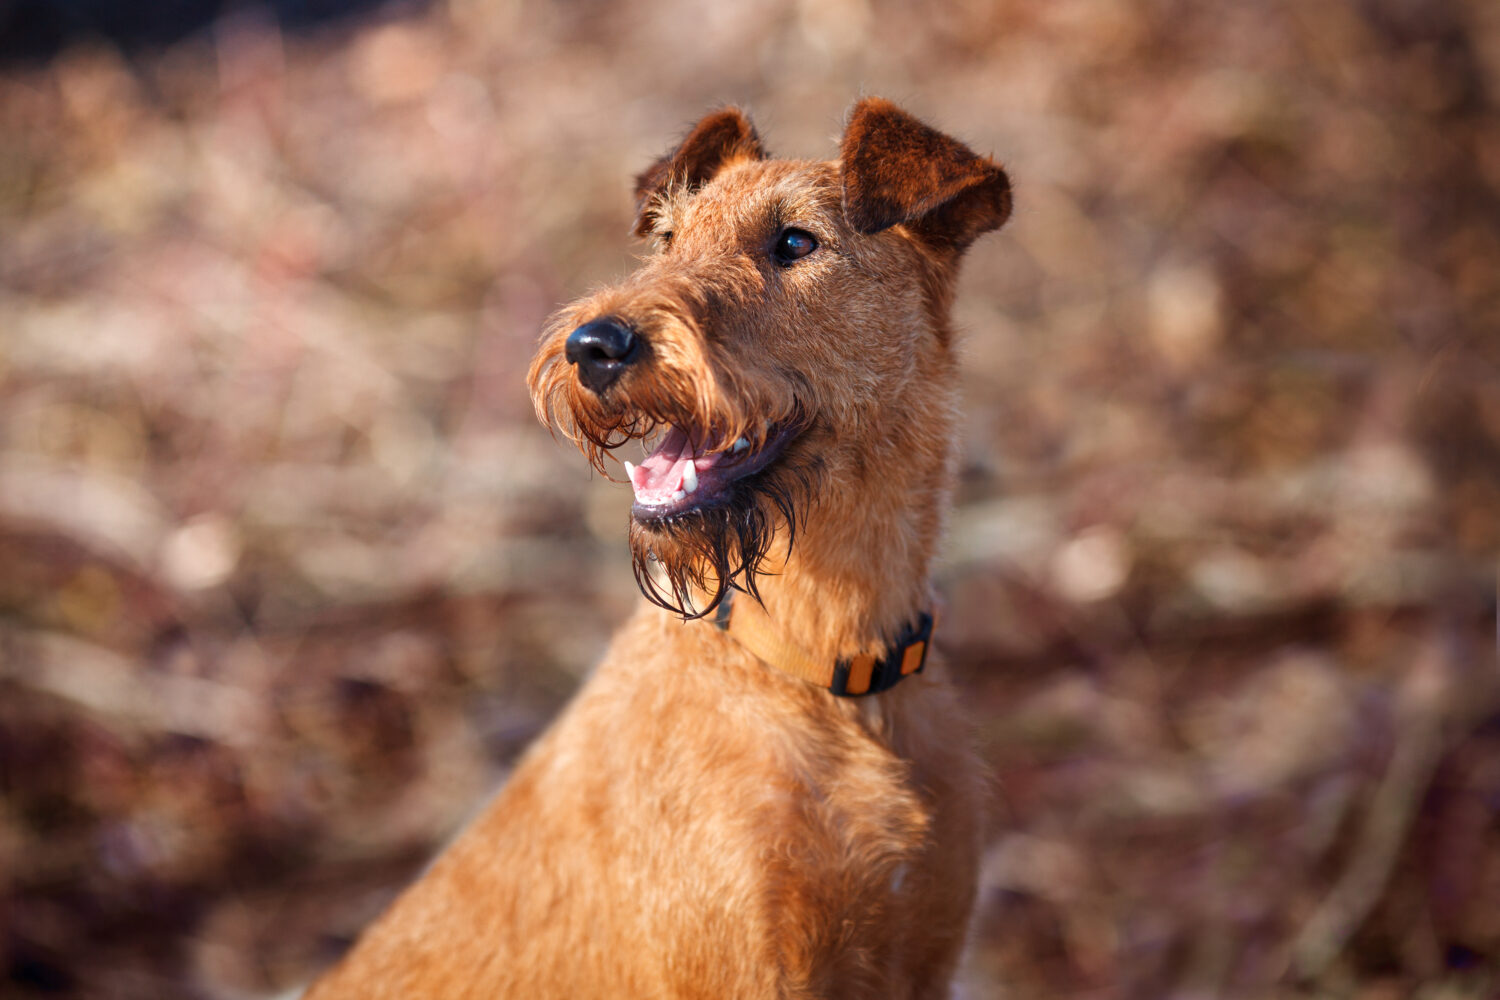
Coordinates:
761 792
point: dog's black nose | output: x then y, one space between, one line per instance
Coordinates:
601 349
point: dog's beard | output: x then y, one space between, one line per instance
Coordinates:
687 563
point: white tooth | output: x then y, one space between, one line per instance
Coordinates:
740 446
678 495
689 478
630 473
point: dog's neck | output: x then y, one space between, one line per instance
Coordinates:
860 568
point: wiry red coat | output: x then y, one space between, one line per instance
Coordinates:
697 823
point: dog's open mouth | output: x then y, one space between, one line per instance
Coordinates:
689 470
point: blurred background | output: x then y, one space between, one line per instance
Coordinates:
289 574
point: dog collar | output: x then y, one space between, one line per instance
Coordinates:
748 623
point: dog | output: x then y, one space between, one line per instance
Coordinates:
767 788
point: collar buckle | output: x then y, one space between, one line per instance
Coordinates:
867 675
847 678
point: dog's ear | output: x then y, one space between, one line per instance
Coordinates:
713 143
897 170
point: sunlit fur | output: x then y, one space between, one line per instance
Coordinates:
688 377
733 342
699 824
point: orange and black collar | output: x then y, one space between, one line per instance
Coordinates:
749 624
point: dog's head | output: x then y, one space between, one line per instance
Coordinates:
787 339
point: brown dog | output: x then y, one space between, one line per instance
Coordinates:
761 792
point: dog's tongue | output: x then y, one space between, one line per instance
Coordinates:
659 477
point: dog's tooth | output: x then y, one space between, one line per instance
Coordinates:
678 495
630 473
739 446
689 478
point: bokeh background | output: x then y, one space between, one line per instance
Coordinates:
289 574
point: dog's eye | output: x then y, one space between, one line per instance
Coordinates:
665 239
794 244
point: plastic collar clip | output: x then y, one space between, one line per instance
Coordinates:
868 675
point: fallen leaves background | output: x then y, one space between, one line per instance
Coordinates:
289 574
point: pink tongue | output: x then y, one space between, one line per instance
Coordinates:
659 475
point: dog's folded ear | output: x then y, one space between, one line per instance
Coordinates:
897 170
714 142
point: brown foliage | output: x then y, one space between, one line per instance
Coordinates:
288 574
